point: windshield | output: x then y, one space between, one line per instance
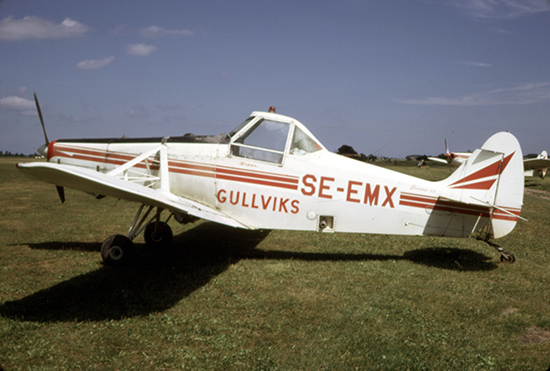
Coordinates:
267 134
242 125
264 141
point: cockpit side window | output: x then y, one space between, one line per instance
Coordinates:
302 143
265 141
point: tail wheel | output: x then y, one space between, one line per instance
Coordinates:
507 257
117 250
158 234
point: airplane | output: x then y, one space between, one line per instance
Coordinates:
452 158
532 166
272 173
537 166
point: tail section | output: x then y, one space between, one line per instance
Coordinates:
491 178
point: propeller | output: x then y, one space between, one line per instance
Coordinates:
449 155
43 149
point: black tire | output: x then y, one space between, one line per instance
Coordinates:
163 237
507 257
117 250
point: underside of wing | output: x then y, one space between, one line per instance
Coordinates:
536 163
90 181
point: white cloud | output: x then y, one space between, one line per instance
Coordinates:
31 27
140 50
16 104
502 9
155 31
92 64
518 95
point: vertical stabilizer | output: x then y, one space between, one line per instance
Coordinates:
492 177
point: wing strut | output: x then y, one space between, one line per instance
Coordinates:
122 171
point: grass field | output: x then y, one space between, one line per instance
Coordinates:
228 299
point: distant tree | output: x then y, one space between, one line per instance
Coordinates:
346 150
371 158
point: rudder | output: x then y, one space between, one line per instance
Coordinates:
493 177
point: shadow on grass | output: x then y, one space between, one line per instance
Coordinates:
439 257
157 281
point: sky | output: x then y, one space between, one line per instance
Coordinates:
390 78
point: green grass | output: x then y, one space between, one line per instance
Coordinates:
228 299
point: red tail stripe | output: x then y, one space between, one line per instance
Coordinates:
487 171
479 185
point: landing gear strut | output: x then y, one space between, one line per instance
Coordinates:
120 250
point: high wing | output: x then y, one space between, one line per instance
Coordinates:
90 181
540 162
536 163
437 159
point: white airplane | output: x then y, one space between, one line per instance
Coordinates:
532 166
537 166
452 158
270 172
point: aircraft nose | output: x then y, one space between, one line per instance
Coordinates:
43 150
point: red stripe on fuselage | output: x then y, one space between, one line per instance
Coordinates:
180 167
434 203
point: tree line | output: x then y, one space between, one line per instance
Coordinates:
10 154
348 151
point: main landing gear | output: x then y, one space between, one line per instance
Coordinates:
120 250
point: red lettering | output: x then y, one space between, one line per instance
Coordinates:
231 198
244 198
221 199
371 196
238 198
265 202
282 205
309 185
352 191
389 195
323 187
295 208
253 205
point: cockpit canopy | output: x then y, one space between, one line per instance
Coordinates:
267 137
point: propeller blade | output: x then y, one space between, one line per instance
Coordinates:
43 150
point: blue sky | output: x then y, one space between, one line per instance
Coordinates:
391 77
